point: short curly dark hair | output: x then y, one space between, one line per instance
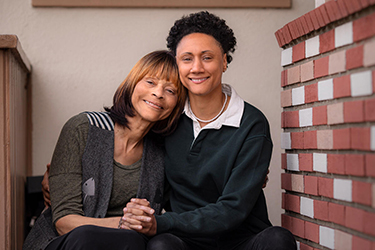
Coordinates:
206 23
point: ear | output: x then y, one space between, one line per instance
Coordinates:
225 62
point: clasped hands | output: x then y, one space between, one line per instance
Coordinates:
139 216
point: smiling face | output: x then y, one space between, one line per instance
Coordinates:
154 99
201 62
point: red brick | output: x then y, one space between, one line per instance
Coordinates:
355 164
294 75
354 111
287 35
319 115
310 25
341 86
305 247
279 38
327 41
298 227
312 231
370 165
305 162
311 185
325 187
336 164
364 27
304 24
355 219
300 27
298 52
360 138
352 6
296 28
297 140
336 213
323 12
369 109
286 221
354 57
360 243
373 81
341 138
319 17
293 30
333 11
291 119
311 93
283 161
284 79
292 203
286 181
310 139
321 67
370 223
364 3
361 192
314 19
342 7
321 210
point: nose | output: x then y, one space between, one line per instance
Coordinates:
197 66
158 92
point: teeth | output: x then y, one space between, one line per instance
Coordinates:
198 80
153 104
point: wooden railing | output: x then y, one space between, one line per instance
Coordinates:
15 149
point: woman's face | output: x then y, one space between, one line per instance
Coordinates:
201 63
154 99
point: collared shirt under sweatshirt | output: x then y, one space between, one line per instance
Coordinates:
216 175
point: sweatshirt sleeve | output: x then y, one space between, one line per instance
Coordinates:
238 200
66 171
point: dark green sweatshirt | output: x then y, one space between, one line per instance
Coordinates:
216 180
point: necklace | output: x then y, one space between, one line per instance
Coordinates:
208 121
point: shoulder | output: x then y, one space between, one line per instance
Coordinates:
254 119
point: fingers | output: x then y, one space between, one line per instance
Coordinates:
137 207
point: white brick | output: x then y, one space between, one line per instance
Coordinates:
373 138
361 83
325 90
298 245
320 162
342 189
307 207
286 142
292 162
305 117
327 237
298 96
312 47
287 56
344 34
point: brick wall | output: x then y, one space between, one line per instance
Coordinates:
328 122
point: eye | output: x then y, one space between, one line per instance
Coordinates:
186 59
150 82
206 58
171 91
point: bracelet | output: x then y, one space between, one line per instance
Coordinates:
119 223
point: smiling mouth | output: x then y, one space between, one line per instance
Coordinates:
154 105
198 80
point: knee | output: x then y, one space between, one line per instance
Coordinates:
81 236
165 242
280 237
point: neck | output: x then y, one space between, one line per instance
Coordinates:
208 108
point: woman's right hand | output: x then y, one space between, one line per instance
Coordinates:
45 187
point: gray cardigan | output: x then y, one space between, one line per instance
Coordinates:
97 167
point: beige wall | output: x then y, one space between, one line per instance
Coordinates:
80 56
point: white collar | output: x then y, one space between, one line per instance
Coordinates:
230 117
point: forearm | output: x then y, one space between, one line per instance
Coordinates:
71 221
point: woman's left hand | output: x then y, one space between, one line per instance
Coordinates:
139 216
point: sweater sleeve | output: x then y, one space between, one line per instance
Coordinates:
66 170
238 201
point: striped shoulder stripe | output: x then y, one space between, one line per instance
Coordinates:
100 120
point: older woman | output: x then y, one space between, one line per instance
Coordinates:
103 159
218 157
